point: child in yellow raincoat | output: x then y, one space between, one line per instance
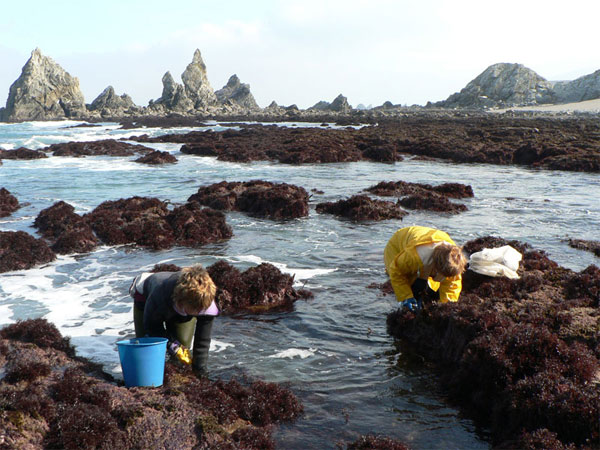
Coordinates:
419 259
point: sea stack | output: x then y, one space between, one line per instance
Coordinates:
44 91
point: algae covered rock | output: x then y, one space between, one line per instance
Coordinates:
52 398
20 251
257 198
361 207
8 203
527 350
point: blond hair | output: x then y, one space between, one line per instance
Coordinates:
194 289
449 260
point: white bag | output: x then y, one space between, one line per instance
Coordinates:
496 262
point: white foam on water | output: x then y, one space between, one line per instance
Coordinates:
218 346
5 313
299 274
292 353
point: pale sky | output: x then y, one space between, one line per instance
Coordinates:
301 51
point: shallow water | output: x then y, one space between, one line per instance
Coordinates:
333 350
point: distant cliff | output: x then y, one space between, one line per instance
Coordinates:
507 85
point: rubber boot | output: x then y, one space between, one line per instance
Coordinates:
202 346
138 321
183 331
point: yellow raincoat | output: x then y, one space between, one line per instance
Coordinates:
403 264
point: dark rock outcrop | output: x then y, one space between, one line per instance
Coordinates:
8 203
372 442
519 355
237 93
590 246
109 104
148 222
21 251
502 85
425 196
361 207
257 289
21 153
258 198
157 157
107 147
43 91
54 399
66 230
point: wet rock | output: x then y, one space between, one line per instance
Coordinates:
590 246
361 207
257 289
54 399
8 203
425 196
107 147
258 198
21 153
431 202
157 157
402 188
20 251
371 442
149 223
66 230
525 349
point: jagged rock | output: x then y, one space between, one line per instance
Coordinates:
238 93
502 85
197 86
173 98
339 104
66 230
157 157
56 399
258 198
361 207
583 88
20 251
108 147
257 289
8 203
44 90
21 153
110 104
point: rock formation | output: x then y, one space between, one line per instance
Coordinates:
108 147
583 88
340 104
52 398
20 251
21 153
237 93
258 198
502 85
8 203
173 98
157 158
109 104
362 208
44 91
520 355
197 86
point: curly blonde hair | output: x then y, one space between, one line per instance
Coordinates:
194 290
449 260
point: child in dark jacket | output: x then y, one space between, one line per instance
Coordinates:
179 306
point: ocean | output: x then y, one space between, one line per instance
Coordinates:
332 350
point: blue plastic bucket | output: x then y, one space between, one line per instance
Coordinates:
143 361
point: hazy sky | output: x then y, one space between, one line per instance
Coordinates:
301 51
